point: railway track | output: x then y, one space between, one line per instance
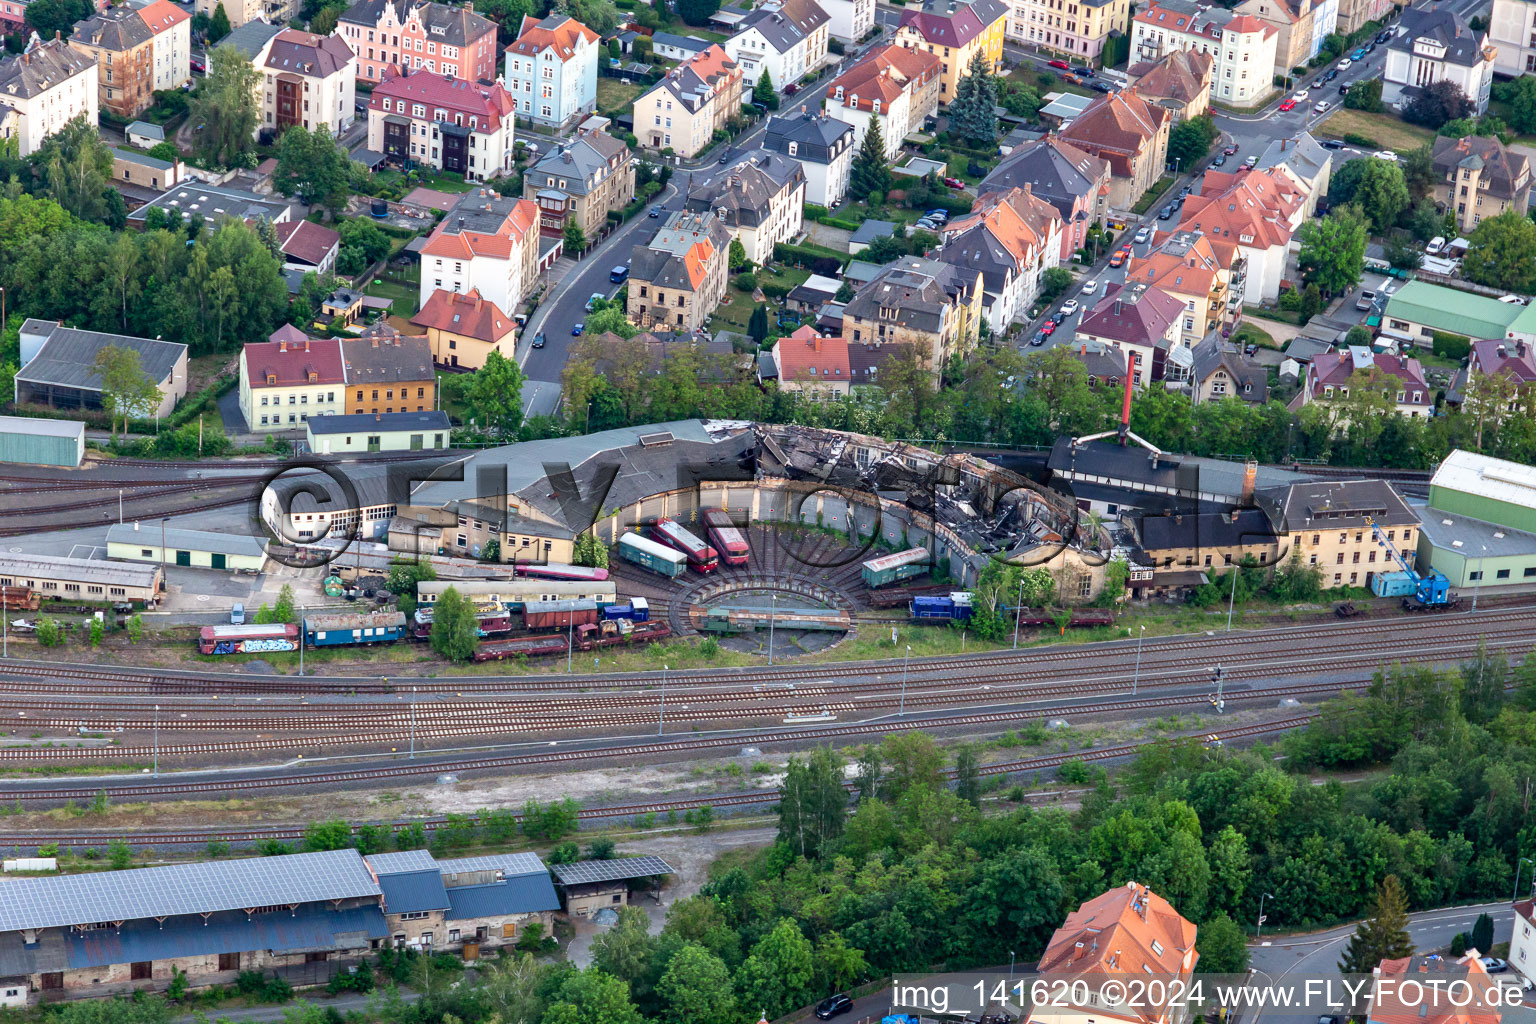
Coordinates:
626 810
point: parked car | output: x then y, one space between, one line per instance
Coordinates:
1143 234
1343 65
1038 339
1231 149
1333 143
954 183
1331 75
655 211
1385 154
1366 300
1165 212
1383 35
1299 95
199 65
237 614
538 340
1069 308
1250 348
1080 70
1321 106
1118 259
1494 965
1103 87
832 1006
1435 245
576 331
1252 160
938 216
1089 287
1221 158
1345 86
1060 65
1358 54
1287 105
1047 329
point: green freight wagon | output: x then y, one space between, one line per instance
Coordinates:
888 569
653 556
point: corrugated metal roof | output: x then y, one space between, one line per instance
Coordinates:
413 891
507 863
586 871
1487 477
520 894
72 429
1447 309
76 570
405 860
187 540
304 930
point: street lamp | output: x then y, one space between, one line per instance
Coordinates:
903 709
1135 679
1522 861
1018 611
1232 597
661 717
1259 929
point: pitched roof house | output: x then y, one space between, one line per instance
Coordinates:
1480 178
462 328
824 146
487 243
696 99
896 85
1138 319
785 38
1220 370
1186 266
1071 179
761 202
815 365
934 307
678 277
1249 216
1180 82
1012 237
1329 378
1131 135
551 69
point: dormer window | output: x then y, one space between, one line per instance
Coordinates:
314 378
271 379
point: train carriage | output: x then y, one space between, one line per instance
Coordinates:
560 571
648 554
360 628
730 540
888 569
701 557
514 594
488 622
267 639
559 614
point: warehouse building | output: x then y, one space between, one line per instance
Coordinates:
380 432
41 442
82 579
58 367
155 542
590 885
113 932
1479 527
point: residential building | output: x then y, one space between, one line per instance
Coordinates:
1514 359
43 89
307 247
463 328
307 80
172 26
824 146
384 432
244 12
145 171
551 70
1179 81
1249 219
1418 309
1479 528
488 243
1074 29
1128 133
1303 160
214 202
407 35
895 85
1400 378
685 109
1241 46
13 16
813 365
388 372
138 50
452 124
761 202
1480 178
1012 238
58 366
1353 14
205 922
678 278
581 181
1478 998
847 20
934 307
785 38
955 31
1139 320
1434 46
1220 370
1205 540
1297 23
1521 942
1072 180
1512 33
284 383
1328 524
1185 266
1125 932
676 47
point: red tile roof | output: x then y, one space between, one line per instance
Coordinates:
1135 319
1337 367
563 37
884 74
162 15
1390 1004
1517 359
314 361
469 315
1117 127
305 240
487 104
1251 209
807 357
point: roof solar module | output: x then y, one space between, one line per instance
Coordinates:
587 871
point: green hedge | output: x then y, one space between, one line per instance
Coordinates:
775 289
1451 346
804 255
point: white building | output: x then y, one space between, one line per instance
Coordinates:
896 85
551 70
307 80
1512 31
46 87
488 243
849 20
449 123
1243 46
786 38
1434 46
760 202
1012 238
172 47
1249 219
824 147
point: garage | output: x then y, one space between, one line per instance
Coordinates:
194 549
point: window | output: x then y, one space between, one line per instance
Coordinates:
1475 576
1502 574
416 915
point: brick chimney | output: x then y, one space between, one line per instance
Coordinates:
282 346
375 340
306 344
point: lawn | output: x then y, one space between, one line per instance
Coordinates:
404 296
733 313
429 178
1387 131
616 96
1251 333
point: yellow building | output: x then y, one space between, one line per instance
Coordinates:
934 307
283 383
464 329
955 31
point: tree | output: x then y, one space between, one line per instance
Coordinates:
696 989
812 803
575 239
776 976
1438 103
218 24
1332 253
495 393
364 235
76 168
870 172
972 113
311 165
1400 250
1383 935
403 576
601 16
757 324
590 551
737 255
327 835
1190 140
1501 253
283 609
1419 174
126 390
1482 933
324 23
626 950
1222 946
1520 100
763 92
591 996
1380 192
967 775
1364 95
57 17
224 103
119 855
454 634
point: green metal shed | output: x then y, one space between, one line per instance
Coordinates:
39 442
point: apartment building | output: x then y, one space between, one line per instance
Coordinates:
1141 321
462 329
244 12
44 89
1512 32
1072 180
139 48
307 80
1436 46
761 202
488 243
1241 46
955 31
1328 524
824 147
283 383
581 181
678 278
1129 134
1179 82
1307 163
551 70
388 372
1400 378
1480 178
848 21
934 307
1012 238
406 35
1185 266
685 109
897 86
1300 26
1076 28
786 38
809 363
1249 219
450 123
1353 14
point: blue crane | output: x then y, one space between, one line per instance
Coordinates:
1431 590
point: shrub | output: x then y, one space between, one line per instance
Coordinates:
746 281
776 289
347 981
1074 771
1451 346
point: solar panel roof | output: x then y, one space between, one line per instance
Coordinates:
507 863
405 860
62 900
586 871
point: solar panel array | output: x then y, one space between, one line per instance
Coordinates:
507 863
175 889
398 863
587 871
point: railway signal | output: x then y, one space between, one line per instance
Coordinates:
1217 701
